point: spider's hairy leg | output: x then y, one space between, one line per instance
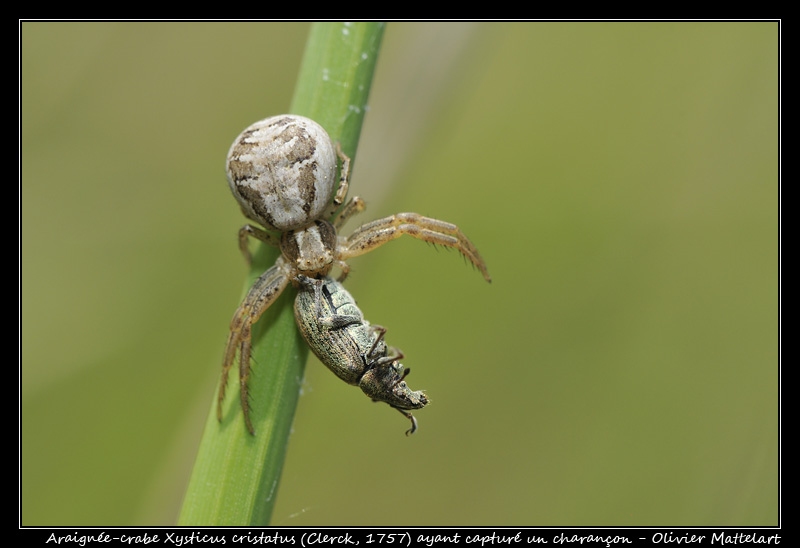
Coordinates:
352 207
257 233
266 289
344 184
376 233
344 176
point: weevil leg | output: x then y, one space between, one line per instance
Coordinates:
381 331
406 371
266 289
393 357
376 233
331 321
410 417
257 233
307 283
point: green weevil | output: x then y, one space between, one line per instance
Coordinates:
336 331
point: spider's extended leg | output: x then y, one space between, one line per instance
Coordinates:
257 233
353 206
344 182
376 233
264 292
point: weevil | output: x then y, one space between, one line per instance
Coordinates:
336 331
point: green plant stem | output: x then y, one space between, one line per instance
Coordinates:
236 475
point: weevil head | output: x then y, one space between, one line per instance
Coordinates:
385 382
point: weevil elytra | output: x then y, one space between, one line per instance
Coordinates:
336 331
282 172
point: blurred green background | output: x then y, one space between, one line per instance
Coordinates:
620 179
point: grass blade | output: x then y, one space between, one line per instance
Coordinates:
236 476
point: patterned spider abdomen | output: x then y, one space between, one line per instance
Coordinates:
282 171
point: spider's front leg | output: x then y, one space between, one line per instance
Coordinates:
266 289
258 234
376 233
353 206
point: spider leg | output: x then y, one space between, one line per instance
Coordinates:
376 233
266 289
344 176
344 182
353 206
257 233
